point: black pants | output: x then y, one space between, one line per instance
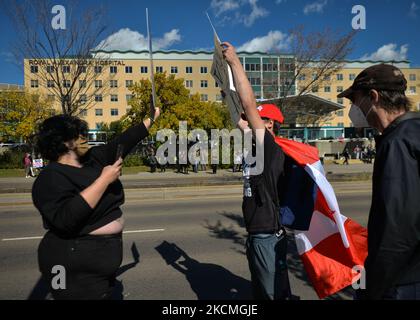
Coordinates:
90 265
404 292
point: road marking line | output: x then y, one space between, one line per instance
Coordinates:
125 232
19 239
143 231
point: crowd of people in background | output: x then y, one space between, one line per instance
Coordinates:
364 153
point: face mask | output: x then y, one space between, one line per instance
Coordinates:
357 117
82 146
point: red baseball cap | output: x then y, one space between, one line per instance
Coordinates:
270 111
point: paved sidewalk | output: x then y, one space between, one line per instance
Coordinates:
171 179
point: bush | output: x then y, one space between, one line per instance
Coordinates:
133 160
12 159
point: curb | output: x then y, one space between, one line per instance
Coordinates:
332 177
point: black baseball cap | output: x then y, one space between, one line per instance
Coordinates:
378 77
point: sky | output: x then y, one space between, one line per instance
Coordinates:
391 33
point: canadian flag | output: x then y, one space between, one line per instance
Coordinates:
334 244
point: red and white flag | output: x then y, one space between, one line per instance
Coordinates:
334 244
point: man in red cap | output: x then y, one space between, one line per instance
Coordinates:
393 263
263 191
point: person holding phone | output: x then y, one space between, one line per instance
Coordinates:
79 196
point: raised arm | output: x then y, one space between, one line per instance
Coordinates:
128 139
243 87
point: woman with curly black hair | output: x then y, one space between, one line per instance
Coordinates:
79 197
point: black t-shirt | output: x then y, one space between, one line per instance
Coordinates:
261 209
56 191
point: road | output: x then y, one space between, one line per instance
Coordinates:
204 222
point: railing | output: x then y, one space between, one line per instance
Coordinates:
7 86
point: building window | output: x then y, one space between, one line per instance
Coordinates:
204 97
413 77
219 97
99 125
82 83
128 83
97 69
98 98
188 83
188 70
302 77
113 70
51 97
314 76
340 113
266 67
99 112
82 69
129 97
216 84
315 89
412 90
34 69
113 83
98 84
50 84
128 69
50 69
340 124
340 89
174 70
114 112
255 67
204 84
327 89
340 77
34 84
327 78
203 70
340 100
83 99
66 83
83 113
143 69
66 69
159 69
114 98
352 76
255 81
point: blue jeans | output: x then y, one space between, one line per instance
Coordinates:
267 254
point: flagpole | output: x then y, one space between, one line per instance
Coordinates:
152 73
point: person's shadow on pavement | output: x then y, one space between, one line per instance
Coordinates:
208 281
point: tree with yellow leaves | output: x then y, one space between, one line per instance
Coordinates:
176 105
20 113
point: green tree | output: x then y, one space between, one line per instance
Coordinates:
112 129
20 113
176 105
